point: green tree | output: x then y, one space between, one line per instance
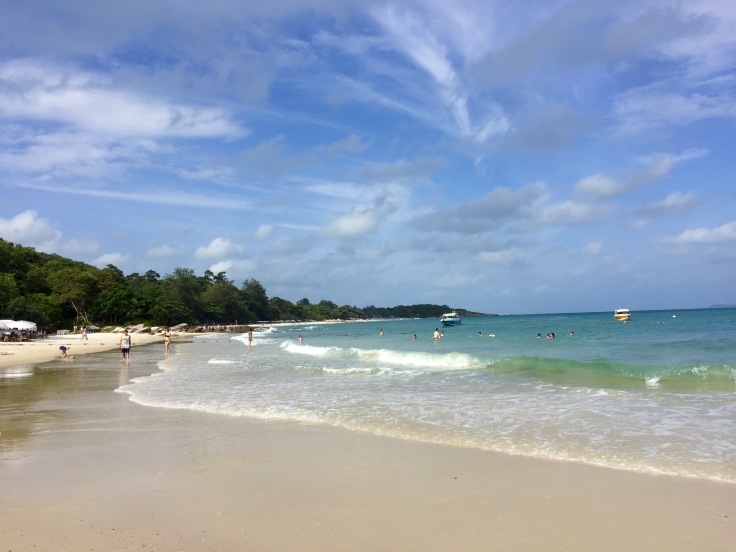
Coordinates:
281 309
223 302
8 292
256 300
37 307
75 285
168 312
114 303
146 292
183 288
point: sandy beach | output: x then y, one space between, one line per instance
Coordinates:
83 468
47 348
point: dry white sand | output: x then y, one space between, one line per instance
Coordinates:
47 348
83 468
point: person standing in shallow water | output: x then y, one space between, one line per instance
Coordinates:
125 343
167 341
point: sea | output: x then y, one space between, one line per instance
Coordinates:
655 394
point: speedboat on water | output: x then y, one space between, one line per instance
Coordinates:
622 314
450 319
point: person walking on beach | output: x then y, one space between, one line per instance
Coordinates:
167 341
84 333
125 343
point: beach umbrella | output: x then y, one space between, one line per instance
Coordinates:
25 325
5 324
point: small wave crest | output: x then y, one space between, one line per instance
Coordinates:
221 361
412 359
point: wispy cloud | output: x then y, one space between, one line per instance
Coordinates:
499 207
722 234
499 141
605 186
180 199
360 220
34 89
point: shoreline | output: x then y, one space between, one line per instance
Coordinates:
46 349
86 468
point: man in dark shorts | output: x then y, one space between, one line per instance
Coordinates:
125 343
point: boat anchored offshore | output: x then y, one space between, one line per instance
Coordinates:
621 314
450 319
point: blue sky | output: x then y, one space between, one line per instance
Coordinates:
506 157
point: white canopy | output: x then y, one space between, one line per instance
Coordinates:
17 325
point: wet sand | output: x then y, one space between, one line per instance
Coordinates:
83 468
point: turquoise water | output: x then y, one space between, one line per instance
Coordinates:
654 394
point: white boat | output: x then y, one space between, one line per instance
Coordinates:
621 314
450 319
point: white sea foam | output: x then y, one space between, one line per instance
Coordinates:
428 361
16 372
421 390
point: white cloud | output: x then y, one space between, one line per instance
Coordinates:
161 251
674 202
219 247
234 269
76 247
413 35
606 186
28 229
599 185
644 110
110 258
151 196
505 257
499 207
264 231
722 234
37 90
567 213
360 220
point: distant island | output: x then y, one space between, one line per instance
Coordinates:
722 307
60 293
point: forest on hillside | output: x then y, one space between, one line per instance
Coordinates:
57 292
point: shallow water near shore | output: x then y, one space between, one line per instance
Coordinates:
653 395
